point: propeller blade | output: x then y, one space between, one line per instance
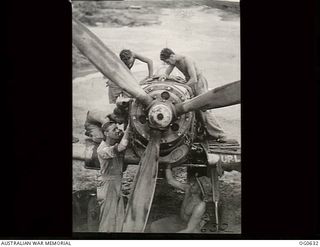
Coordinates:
225 95
140 201
106 61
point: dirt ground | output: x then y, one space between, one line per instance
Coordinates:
207 31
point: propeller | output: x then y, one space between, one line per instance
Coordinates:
106 61
139 203
225 95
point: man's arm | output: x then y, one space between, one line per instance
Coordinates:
125 140
147 61
107 152
166 73
195 218
169 70
173 182
192 72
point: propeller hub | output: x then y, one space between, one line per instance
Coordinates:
160 115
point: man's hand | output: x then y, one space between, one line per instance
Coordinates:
123 102
162 77
125 139
127 130
147 80
121 99
190 90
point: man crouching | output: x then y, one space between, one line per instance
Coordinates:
109 196
190 219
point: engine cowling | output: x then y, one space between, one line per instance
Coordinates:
161 115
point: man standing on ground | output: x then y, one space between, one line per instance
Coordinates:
109 194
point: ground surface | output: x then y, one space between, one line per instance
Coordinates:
211 36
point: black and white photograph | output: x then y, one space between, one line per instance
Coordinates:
156 116
132 119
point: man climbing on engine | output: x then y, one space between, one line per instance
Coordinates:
198 84
128 57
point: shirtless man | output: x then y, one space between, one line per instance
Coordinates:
188 68
128 58
192 209
199 85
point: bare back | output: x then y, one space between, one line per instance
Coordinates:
182 65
